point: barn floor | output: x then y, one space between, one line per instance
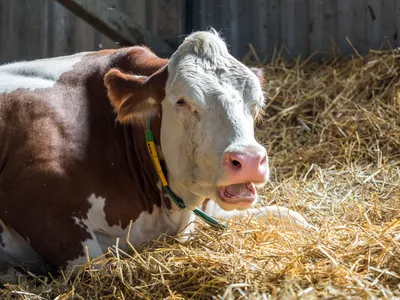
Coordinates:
333 135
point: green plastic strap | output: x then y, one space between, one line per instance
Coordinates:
209 220
149 123
178 201
149 135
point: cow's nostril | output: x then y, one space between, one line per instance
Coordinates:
236 164
264 160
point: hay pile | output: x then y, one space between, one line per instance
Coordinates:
333 135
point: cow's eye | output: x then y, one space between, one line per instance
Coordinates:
181 102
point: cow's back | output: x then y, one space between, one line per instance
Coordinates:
40 73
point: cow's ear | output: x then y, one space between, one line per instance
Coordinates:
259 73
134 98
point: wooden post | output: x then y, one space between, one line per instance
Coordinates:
116 25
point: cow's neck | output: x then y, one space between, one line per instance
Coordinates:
142 168
140 162
184 193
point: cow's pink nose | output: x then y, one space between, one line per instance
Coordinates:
250 166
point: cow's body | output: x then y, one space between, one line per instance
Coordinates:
70 175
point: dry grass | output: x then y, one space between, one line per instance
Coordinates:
333 134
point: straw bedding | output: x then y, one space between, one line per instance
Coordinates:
332 130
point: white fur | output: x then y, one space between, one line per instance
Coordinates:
224 94
15 250
36 74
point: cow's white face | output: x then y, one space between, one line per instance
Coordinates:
207 133
209 101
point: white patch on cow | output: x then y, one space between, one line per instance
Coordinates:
146 227
14 249
36 74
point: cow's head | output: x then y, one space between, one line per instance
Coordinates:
209 102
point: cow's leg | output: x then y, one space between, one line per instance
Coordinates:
272 214
16 252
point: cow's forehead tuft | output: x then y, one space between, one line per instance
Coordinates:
207 44
206 48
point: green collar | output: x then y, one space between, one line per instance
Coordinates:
151 147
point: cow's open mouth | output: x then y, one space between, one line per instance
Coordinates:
241 192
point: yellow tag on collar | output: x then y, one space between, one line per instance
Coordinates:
151 147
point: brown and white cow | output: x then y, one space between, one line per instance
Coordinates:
71 176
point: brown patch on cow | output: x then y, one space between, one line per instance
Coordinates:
60 145
37 179
136 60
204 205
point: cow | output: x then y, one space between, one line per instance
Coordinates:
75 170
